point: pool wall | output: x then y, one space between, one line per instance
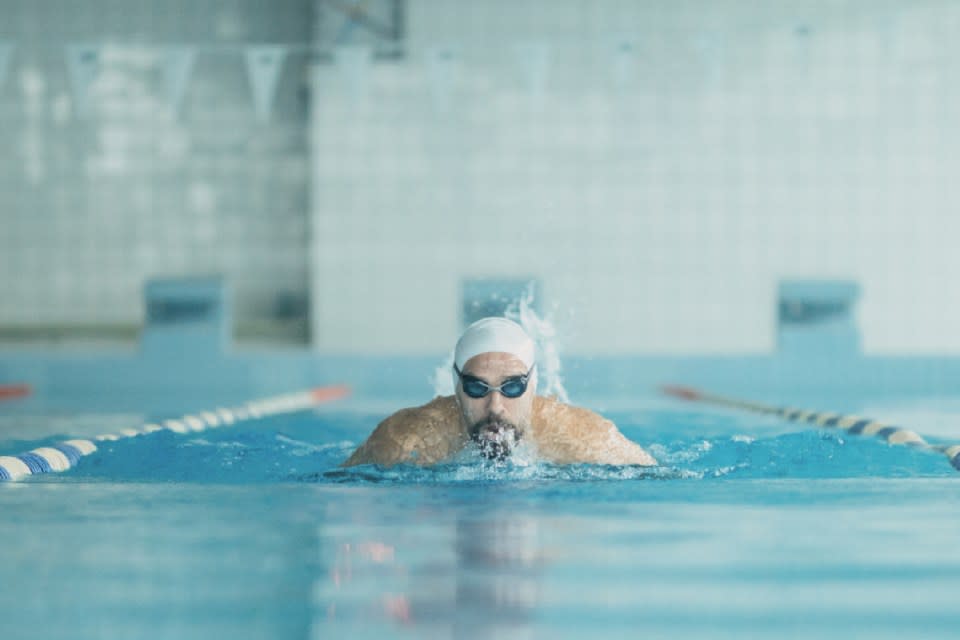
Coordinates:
186 361
187 382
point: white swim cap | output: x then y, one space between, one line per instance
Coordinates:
495 334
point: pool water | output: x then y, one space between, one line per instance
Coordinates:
751 527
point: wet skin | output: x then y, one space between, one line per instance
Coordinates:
553 431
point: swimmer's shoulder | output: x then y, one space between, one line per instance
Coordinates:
566 433
549 411
420 435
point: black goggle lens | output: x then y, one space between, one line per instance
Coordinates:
477 388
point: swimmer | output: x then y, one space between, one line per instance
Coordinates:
495 409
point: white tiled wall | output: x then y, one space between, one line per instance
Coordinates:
91 207
658 167
672 163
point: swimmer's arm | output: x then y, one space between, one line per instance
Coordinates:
382 447
421 435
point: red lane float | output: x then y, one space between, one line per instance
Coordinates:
326 394
13 391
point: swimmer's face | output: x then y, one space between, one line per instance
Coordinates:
494 422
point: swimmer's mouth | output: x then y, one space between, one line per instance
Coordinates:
495 431
496 439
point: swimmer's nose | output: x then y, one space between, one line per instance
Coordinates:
495 403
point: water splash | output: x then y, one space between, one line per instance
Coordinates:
481 471
544 334
442 378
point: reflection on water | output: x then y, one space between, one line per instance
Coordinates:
474 576
499 567
825 559
541 558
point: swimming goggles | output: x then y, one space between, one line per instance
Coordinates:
510 388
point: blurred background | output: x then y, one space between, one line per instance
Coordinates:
366 176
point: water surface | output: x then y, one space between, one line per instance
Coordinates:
750 528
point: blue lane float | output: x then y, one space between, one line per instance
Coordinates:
854 425
67 454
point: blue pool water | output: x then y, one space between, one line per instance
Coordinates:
751 527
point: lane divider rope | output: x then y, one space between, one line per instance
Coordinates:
14 391
854 425
65 455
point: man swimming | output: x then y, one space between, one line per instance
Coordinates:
496 410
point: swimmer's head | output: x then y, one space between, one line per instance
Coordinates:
495 360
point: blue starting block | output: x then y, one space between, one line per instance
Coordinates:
186 317
815 317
